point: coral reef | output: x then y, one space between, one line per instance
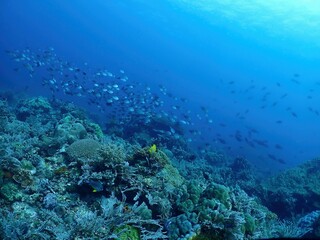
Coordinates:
295 191
59 169
4 114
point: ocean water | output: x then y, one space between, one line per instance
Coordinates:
250 69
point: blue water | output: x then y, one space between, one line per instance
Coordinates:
250 65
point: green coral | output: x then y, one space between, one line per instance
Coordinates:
27 165
186 206
159 156
189 196
143 211
127 232
195 190
220 192
10 191
250 225
97 130
171 175
211 210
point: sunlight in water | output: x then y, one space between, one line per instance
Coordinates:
298 18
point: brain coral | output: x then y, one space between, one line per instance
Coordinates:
84 148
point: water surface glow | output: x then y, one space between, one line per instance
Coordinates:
284 18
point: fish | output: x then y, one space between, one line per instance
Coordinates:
250 143
238 136
284 95
221 140
271 156
295 81
294 114
280 160
131 103
263 143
